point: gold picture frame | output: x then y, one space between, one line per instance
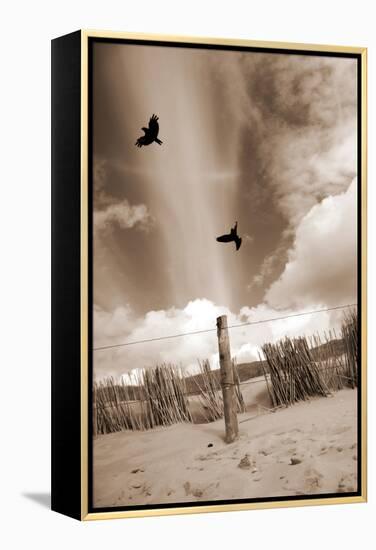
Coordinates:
63 482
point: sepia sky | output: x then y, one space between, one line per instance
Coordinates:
268 140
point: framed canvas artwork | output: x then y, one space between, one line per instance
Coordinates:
208 275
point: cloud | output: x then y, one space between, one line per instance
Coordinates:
109 210
109 328
309 165
122 214
120 326
297 118
321 266
301 112
311 146
289 152
100 179
268 266
320 272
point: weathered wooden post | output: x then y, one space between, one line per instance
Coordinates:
227 380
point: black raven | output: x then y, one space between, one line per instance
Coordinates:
231 237
151 133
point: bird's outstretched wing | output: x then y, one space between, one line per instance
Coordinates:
141 141
153 125
238 242
225 238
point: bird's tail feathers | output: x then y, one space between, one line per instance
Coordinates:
158 141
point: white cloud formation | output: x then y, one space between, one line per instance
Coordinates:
322 264
109 211
303 110
120 326
309 164
320 272
124 215
268 266
307 150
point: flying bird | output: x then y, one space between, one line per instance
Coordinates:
151 133
231 237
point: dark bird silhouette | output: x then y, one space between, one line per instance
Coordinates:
231 237
151 133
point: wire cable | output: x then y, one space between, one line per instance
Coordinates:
182 334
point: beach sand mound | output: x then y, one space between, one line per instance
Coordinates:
307 449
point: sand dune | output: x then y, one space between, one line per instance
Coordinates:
309 448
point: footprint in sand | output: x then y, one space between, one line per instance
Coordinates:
309 484
265 452
313 479
330 449
141 488
341 430
195 491
347 484
209 456
323 450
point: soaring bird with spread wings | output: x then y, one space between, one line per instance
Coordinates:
151 133
231 237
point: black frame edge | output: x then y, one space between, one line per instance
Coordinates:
65 272
361 243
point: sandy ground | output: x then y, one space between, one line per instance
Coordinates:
309 448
